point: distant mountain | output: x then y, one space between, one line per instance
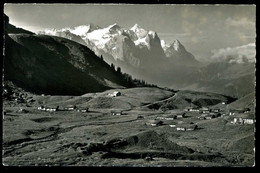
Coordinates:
137 51
232 79
177 53
55 65
144 55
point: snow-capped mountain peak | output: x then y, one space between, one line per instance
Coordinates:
136 27
114 27
153 34
139 31
163 44
176 44
82 30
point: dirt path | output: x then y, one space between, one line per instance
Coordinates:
158 102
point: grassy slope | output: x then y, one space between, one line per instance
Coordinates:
68 134
247 101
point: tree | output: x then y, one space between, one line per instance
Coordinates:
118 70
102 58
113 66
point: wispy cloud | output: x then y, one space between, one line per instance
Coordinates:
240 22
240 54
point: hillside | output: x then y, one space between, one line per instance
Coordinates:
54 65
247 101
232 79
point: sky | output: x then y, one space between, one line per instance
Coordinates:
202 29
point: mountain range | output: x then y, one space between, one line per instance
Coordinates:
132 45
144 55
135 50
92 53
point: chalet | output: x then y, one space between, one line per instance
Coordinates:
180 116
204 110
49 109
190 127
246 110
181 129
42 108
248 121
117 112
155 123
160 118
243 119
23 110
216 110
237 121
203 116
52 109
223 103
114 94
194 110
82 110
190 109
231 113
223 115
71 108
171 117
171 123
212 115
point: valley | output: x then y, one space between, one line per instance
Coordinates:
100 138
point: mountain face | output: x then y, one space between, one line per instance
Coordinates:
232 79
137 51
55 65
134 46
177 53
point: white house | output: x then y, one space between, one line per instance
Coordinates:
71 108
248 121
114 94
240 120
117 112
181 129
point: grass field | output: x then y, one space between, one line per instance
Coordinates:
98 138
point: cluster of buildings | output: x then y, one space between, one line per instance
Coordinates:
170 120
172 117
57 108
173 124
242 117
240 120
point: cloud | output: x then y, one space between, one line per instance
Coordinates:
240 22
240 54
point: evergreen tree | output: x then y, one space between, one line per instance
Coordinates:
113 66
118 70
